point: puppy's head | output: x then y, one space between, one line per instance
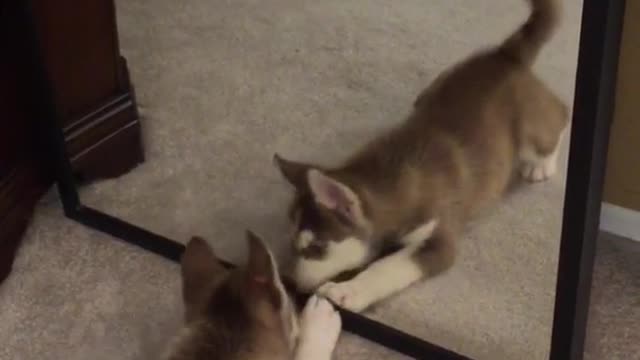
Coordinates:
238 311
330 225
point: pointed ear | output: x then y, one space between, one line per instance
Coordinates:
262 272
261 266
199 268
337 197
294 172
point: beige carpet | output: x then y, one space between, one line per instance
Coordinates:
224 84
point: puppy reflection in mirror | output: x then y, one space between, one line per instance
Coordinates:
409 192
245 313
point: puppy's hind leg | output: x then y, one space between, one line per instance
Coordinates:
538 153
536 166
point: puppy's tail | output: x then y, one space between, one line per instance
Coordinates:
525 44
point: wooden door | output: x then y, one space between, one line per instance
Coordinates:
92 91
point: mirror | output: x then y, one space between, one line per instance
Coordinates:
223 86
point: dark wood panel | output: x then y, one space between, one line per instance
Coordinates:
11 131
23 178
79 41
19 192
14 124
93 93
99 115
107 142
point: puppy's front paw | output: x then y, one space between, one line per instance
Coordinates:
347 295
320 328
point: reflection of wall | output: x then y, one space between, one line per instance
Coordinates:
621 211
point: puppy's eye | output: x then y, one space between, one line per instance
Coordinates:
344 218
314 250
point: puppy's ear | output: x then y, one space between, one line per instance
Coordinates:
262 280
199 269
337 197
294 172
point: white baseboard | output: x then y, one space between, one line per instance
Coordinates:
620 221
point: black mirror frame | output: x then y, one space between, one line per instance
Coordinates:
592 114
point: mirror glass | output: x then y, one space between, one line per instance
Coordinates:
402 160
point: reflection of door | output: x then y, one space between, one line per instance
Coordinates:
91 84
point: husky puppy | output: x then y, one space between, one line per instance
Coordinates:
246 314
408 193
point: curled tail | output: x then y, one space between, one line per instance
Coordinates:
525 44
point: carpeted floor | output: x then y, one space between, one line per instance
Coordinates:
223 85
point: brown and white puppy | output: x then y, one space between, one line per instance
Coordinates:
408 193
245 313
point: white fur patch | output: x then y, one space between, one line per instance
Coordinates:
539 168
347 254
420 234
305 238
320 329
382 279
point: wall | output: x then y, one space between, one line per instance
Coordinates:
621 211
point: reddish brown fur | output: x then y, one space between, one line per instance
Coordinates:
231 314
456 153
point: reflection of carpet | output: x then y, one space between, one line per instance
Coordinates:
223 85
